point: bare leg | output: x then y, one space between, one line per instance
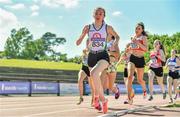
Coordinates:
160 82
90 80
175 84
131 70
112 78
104 79
82 75
81 78
95 73
140 75
151 76
169 85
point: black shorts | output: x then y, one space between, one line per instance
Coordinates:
126 73
93 58
174 75
86 70
138 62
158 71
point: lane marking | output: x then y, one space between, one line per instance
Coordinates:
123 112
43 106
45 113
34 103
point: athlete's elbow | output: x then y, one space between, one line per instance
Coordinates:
117 38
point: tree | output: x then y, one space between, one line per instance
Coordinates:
169 43
50 40
17 41
20 44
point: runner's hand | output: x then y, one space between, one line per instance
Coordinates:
78 42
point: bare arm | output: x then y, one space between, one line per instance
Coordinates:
121 59
112 32
83 34
161 56
87 44
144 46
166 66
178 63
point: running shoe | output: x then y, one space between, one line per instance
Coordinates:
175 97
171 100
150 98
105 106
130 101
144 94
126 101
116 96
80 101
97 104
164 95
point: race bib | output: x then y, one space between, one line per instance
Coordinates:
154 60
133 45
98 44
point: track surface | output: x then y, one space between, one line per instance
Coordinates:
64 106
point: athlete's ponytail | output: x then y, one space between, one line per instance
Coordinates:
162 47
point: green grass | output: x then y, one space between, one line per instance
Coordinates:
46 65
38 64
174 105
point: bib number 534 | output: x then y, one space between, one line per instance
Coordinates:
97 44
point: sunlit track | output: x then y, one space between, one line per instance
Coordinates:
66 106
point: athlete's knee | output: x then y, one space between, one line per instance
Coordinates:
140 81
93 73
80 81
130 78
150 74
129 81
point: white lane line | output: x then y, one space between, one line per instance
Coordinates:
43 106
45 113
123 112
32 103
22 101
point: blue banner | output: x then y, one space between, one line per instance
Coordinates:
44 87
69 88
122 88
137 88
14 87
87 89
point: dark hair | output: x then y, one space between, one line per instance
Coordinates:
161 47
143 27
175 51
100 8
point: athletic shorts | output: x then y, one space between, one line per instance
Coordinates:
86 70
126 73
158 71
174 75
93 58
138 62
